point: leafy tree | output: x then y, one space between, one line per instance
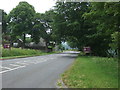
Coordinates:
37 28
115 45
42 27
69 23
72 43
105 18
20 20
87 24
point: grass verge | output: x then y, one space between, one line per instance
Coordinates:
92 72
18 53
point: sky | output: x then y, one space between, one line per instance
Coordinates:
40 5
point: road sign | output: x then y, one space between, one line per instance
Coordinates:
7 46
87 49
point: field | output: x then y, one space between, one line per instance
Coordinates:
92 72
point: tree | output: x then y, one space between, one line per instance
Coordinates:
87 24
37 28
20 20
105 18
42 28
115 45
69 23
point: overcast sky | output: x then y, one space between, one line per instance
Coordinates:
40 5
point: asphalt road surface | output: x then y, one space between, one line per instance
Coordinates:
35 72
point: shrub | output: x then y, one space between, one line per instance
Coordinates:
19 52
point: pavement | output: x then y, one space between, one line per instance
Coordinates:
35 72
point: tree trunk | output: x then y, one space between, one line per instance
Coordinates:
46 47
23 46
118 37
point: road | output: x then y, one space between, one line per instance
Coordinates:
35 72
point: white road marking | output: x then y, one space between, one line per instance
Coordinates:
30 62
40 61
37 62
20 66
5 67
22 63
11 69
15 65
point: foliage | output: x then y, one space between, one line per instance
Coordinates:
28 40
115 45
20 20
81 24
105 17
19 52
47 19
42 28
37 28
92 72
68 20
24 20
87 24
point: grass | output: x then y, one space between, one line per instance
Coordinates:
92 72
18 52
59 84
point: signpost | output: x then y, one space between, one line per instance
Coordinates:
7 46
87 50
6 41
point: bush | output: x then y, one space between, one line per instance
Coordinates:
19 52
